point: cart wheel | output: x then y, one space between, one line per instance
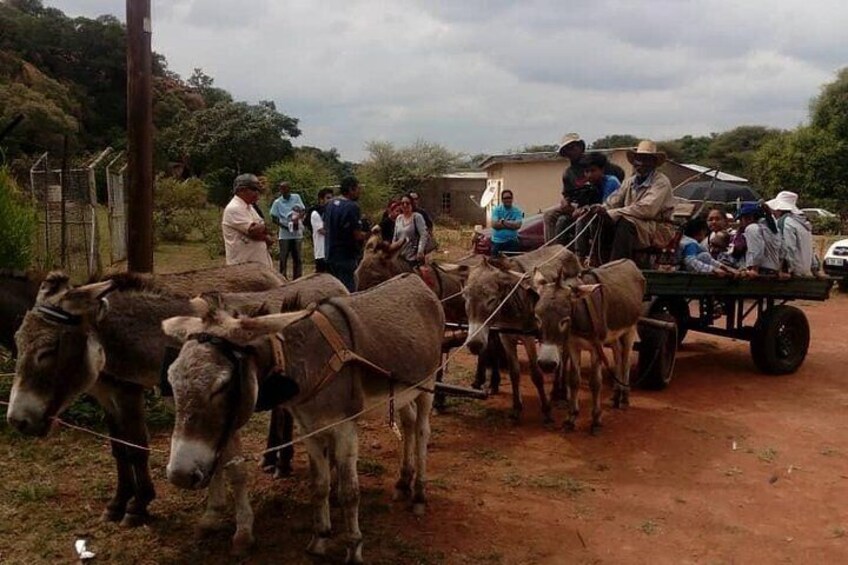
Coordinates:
780 341
657 349
672 310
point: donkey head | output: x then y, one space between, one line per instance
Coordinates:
215 387
59 352
554 312
489 284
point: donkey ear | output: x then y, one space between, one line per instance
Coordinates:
201 305
87 299
582 290
180 327
245 330
53 284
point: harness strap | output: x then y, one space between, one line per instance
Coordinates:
279 353
342 354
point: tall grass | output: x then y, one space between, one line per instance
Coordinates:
17 224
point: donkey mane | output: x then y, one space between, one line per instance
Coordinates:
129 282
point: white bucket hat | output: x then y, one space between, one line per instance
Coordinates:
785 201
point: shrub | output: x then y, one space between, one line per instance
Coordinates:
305 173
178 209
826 225
18 224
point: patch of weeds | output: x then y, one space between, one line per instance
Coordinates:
439 483
35 492
768 455
490 557
560 483
406 552
86 413
488 454
370 467
838 532
732 472
513 480
160 416
829 452
649 527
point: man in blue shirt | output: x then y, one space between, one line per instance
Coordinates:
597 188
287 212
506 221
344 233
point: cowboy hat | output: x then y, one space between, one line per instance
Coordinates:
647 147
785 201
567 140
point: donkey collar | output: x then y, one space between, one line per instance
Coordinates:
59 315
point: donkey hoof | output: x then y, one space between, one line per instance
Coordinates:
317 546
354 553
402 494
568 426
132 520
419 509
547 419
595 429
283 471
112 515
242 542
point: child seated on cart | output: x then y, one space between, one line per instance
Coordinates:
693 257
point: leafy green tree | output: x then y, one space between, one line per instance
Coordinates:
809 161
829 110
236 135
179 206
305 172
694 148
733 151
539 148
17 224
615 140
203 84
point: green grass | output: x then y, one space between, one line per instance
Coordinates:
769 454
35 492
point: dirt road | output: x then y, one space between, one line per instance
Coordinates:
726 466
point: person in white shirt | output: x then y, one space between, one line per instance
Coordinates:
246 237
318 232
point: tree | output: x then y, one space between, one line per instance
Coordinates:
829 110
306 172
615 140
694 148
539 148
235 135
809 161
733 151
202 83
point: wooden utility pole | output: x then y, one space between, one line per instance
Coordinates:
139 138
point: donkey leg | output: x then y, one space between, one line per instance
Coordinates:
213 518
132 418
423 404
103 392
496 355
346 453
538 379
627 341
285 455
237 477
403 486
595 384
319 470
573 376
511 349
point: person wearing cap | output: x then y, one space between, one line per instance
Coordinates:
763 254
246 237
287 212
638 215
795 232
574 181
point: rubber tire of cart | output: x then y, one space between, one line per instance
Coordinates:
657 350
781 340
843 284
675 308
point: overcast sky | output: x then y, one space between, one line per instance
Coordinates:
486 76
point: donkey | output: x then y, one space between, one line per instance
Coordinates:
382 262
18 290
293 296
489 284
335 359
600 307
75 341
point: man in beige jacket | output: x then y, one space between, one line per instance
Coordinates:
638 215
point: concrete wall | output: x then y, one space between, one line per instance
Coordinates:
436 194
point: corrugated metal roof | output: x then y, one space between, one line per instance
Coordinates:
466 175
727 177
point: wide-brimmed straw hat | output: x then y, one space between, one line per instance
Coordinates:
785 201
568 139
647 147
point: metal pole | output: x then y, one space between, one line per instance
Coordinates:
139 137
64 177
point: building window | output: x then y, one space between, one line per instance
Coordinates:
446 203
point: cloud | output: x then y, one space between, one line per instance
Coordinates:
482 76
